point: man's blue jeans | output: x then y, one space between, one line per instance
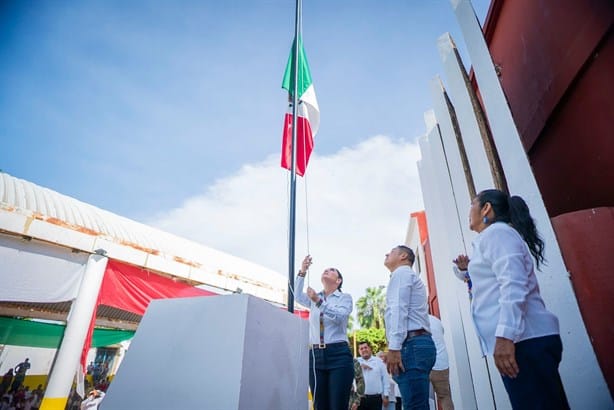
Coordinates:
418 355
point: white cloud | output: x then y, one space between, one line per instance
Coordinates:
357 207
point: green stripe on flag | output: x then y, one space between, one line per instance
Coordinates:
304 75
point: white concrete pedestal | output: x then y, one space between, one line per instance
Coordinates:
214 352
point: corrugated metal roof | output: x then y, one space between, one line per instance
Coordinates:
30 210
71 213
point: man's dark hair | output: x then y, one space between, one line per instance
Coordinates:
364 342
410 254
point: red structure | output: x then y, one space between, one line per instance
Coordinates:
556 64
428 263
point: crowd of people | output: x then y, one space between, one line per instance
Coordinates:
14 395
511 320
99 372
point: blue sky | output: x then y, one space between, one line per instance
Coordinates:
171 113
132 106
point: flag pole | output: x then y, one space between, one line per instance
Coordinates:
292 230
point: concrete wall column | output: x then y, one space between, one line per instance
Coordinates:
460 199
69 353
436 194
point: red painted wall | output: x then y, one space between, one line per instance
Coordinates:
573 159
586 242
556 60
430 272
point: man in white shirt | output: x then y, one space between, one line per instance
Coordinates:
440 375
92 401
411 351
375 374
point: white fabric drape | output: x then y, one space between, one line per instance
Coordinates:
31 271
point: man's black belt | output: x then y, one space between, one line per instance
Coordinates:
418 332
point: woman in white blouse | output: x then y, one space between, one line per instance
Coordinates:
510 316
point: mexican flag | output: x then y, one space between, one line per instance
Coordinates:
308 113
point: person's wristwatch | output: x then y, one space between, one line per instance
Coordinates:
319 303
301 274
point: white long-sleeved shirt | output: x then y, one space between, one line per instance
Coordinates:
376 376
336 308
506 300
406 306
394 390
441 363
92 402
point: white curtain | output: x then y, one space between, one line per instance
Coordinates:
32 271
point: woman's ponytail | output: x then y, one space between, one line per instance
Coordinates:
514 211
521 220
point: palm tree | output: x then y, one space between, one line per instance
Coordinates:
350 327
371 308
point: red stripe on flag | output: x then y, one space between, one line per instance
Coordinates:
304 144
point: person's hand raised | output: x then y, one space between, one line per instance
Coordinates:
462 262
306 264
313 295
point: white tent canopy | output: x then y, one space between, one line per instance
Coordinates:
30 211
